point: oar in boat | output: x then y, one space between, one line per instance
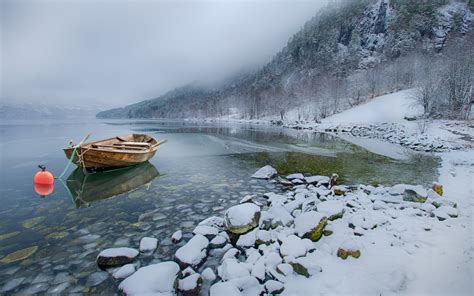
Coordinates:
159 143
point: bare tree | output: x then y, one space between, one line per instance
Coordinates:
427 87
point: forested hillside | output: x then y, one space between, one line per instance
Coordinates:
344 55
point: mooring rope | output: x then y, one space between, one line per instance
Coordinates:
68 164
72 156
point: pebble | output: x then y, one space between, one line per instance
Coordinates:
12 284
96 278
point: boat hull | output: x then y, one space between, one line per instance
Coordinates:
89 157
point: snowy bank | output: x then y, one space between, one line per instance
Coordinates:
306 237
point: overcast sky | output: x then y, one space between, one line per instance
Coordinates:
112 53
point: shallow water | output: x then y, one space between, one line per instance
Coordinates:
201 171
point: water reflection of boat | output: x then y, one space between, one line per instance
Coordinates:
88 188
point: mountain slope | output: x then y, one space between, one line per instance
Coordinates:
335 61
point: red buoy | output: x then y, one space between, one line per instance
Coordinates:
43 177
44 189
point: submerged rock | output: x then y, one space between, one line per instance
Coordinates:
33 221
116 257
242 218
19 255
96 278
9 235
159 279
12 284
266 172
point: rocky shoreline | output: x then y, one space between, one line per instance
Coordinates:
391 132
268 242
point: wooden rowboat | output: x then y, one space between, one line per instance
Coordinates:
121 151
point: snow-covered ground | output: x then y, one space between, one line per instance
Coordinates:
388 108
410 255
313 238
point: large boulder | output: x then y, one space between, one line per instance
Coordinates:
310 225
155 279
242 218
266 172
116 257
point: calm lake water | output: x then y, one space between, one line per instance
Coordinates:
201 171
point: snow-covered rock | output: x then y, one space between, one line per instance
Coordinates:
415 194
224 288
177 236
242 218
231 269
295 176
279 214
208 231
266 172
190 285
214 221
148 244
208 274
248 285
444 212
317 180
306 266
247 240
293 246
124 271
310 225
332 209
193 252
116 256
155 279
218 242
273 287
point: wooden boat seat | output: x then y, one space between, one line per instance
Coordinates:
132 144
119 147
